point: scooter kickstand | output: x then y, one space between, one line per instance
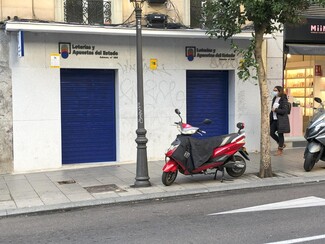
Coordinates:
215 174
223 175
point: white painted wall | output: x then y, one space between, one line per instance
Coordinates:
36 94
274 67
36 107
275 60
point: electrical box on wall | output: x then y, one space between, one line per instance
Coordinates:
156 1
156 20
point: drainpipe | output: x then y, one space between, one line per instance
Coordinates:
1 17
33 10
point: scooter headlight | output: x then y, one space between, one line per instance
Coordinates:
319 126
189 131
315 128
172 147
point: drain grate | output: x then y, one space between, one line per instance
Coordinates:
65 182
104 188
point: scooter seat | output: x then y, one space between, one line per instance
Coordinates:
199 150
215 141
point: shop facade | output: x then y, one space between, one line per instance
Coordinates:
74 91
304 47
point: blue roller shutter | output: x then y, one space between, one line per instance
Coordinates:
207 97
88 115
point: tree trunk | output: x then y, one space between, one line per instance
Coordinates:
265 160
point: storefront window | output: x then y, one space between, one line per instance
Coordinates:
303 80
196 14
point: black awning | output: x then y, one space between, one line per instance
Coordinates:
306 49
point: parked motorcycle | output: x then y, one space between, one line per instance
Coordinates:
315 136
190 155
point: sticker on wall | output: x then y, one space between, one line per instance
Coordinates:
190 53
318 70
153 64
21 44
55 60
64 49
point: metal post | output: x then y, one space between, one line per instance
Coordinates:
142 177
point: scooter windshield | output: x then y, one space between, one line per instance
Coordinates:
318 116
320 108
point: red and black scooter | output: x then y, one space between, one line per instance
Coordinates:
190 155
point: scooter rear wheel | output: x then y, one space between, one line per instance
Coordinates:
236 171
168 178
310 160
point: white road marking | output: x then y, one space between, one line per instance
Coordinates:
299 240
295 203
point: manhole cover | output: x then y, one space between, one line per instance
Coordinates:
64 182
104 188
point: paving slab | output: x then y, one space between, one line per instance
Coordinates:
66 188
28 202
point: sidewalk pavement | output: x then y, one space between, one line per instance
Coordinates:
87 185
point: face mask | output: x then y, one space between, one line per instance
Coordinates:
274 93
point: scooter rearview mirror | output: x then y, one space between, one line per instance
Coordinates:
317 99
207 121
177 111
240 125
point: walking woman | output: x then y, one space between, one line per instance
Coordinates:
279 119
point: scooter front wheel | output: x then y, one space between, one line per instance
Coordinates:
168 178
310 160
238 168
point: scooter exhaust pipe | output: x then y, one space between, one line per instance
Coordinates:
232 164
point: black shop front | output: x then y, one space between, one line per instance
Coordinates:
304 62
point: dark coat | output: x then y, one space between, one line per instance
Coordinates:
282 114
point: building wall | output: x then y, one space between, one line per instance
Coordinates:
274 60
36 105
36 93
6 146
31 9
177 10
48 10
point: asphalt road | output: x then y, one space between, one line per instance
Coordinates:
185 220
